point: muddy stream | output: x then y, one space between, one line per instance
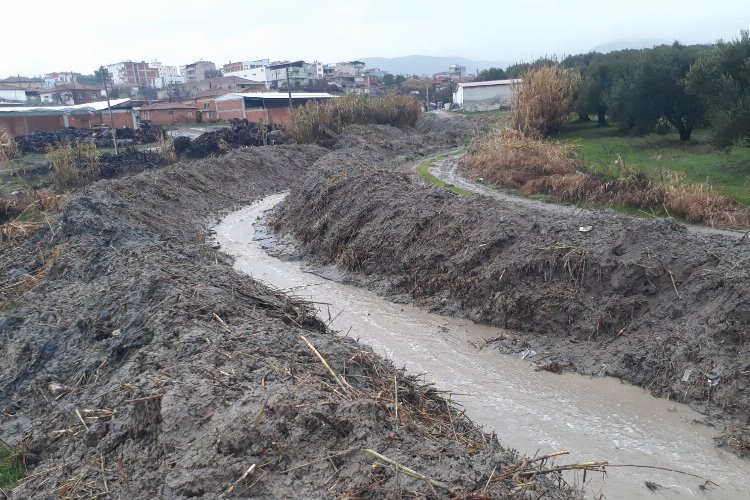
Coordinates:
592 418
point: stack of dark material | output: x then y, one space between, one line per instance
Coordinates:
241 133
129 161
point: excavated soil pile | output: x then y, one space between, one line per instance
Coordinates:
641 300
143 366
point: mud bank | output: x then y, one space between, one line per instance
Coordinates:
645 301
142 365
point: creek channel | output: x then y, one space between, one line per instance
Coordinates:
531 411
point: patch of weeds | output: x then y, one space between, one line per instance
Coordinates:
11 467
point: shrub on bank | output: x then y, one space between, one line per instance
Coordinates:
317 122
543 103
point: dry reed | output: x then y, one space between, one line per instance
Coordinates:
8 148
320 122
535 166
544 100
74 164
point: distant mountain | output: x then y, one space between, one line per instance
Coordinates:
427 65
614 45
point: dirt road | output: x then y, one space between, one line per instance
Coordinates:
447 170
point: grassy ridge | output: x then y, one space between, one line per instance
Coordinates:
424 171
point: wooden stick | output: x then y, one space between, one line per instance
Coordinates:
229 490
147 398
81 419
336 378
407 470
395 397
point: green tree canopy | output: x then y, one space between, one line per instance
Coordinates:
492 74
720 78
652 88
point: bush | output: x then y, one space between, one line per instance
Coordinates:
74 164
8 148
317 122
544 100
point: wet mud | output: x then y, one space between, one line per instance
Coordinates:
597 292
141 365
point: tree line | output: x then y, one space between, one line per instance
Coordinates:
680 87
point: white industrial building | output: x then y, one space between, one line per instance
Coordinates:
484 96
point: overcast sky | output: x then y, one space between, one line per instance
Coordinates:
82 35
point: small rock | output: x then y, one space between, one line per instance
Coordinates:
56 389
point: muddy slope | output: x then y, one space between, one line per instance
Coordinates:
640 300
143 366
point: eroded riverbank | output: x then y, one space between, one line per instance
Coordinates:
594 418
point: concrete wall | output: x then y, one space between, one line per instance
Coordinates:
169 116
484 98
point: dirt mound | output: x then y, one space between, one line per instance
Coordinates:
641 300
142 365
447 123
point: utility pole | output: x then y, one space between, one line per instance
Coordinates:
105 76
289 87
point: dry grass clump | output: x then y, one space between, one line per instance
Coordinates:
510 160
319 122
74 164
22 216
544 100
8 148
167 149
534 166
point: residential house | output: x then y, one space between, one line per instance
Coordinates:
166 75
133 74
457 71
227 83
12 93
206 103
484 96
350 68
234 67
296 74
60 78
169 113
24 82
197 71
71 93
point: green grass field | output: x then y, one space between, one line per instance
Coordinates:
728 171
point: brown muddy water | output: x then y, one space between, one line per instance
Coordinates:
592 418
